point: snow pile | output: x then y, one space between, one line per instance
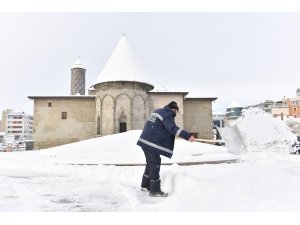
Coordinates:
119 149
122 149
293 124
261 131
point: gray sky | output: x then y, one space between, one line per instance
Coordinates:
248 57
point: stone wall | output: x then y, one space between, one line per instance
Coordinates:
121 102
198 117
51 130
160 99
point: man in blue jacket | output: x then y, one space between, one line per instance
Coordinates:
157 139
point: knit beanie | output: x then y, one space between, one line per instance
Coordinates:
173 105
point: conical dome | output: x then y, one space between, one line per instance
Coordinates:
234 104
122 65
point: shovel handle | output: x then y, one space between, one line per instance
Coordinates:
209 141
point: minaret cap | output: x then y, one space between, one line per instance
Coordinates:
77 64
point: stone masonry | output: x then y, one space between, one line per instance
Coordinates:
50 129
77 81
198 116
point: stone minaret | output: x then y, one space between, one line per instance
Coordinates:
77 78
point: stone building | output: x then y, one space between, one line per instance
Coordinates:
120 100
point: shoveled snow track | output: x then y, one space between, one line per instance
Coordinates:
165 164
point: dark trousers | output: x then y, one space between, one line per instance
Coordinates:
151 174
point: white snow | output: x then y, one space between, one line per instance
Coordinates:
260 131
73 177
234 104
77 64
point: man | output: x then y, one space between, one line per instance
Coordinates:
157 139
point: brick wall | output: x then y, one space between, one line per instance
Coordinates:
198 117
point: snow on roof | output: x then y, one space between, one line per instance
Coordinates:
234 104
65 96
123 65
77 64
92 88
169 92
294 98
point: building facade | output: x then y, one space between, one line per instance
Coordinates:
233 112
218 120
287 107
293 105
2 137
19 126
120 100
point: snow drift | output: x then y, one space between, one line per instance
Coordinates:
261 131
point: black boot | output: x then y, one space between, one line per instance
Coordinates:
145 186
155 190
158 194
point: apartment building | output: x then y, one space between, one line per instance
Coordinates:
18 126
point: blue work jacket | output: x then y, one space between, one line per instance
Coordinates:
160 131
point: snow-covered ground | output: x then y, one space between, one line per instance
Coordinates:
73 177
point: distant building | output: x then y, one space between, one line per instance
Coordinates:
276 108
233 112
280 108
288 107
293 105
4 119
16 125
120 100
266 105
2 137
218 120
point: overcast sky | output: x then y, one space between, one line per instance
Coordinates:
248 57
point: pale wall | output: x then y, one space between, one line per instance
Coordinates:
121 101
278 111
198 117
51 130
162 99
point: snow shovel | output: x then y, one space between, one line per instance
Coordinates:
231 138
210 141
